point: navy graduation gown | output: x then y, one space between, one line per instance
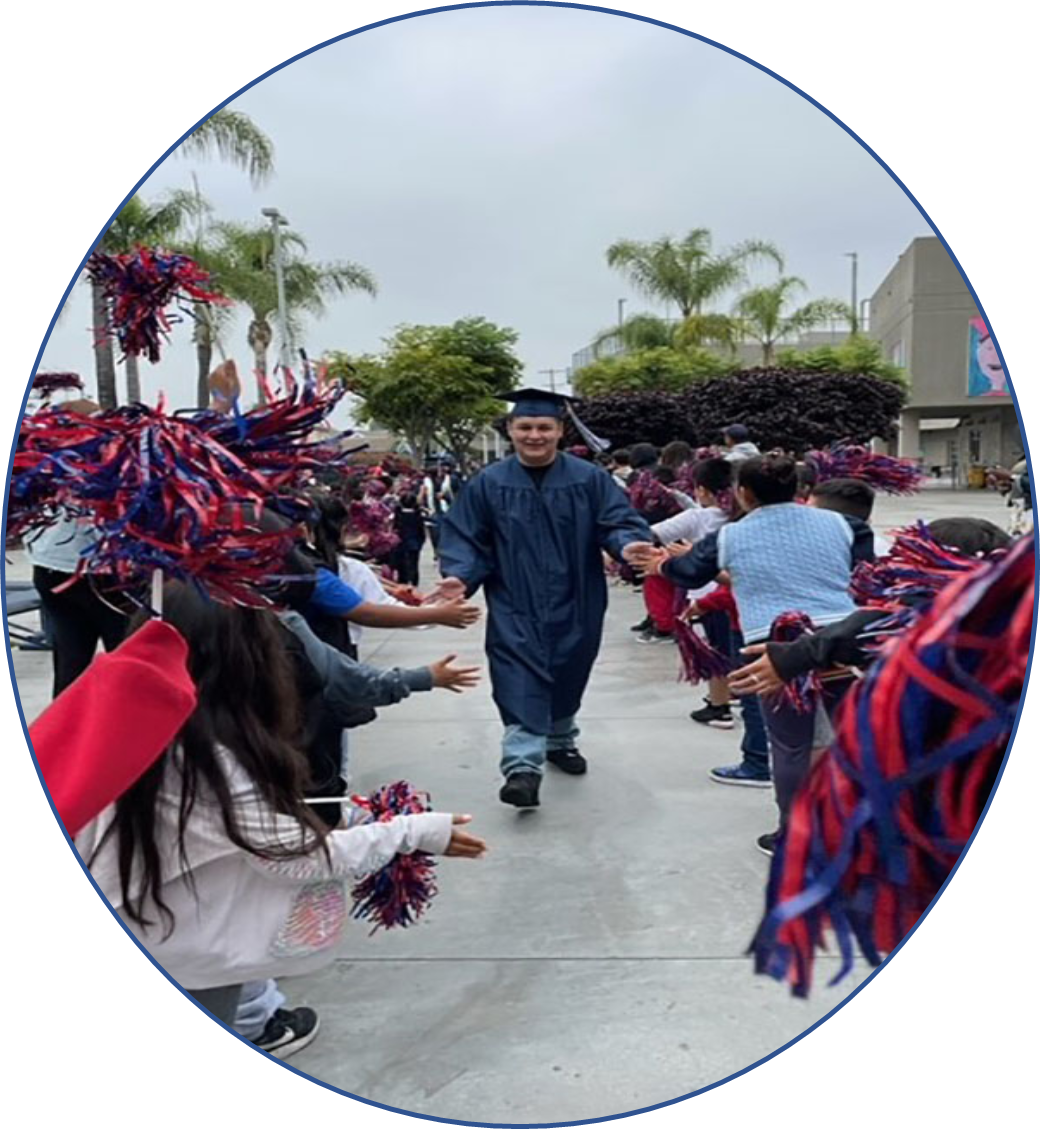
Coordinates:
537 553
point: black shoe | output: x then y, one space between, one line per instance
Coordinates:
767 843
718 717
568 760
288 1032
654 635
644 626
521 790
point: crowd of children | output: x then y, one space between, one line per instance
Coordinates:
221 831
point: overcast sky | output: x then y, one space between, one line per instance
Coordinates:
479 162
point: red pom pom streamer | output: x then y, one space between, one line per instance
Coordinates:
885 814
161 493
916 569
45 384
139 286
649 496
883 472
398 894
374 519
274 440
699 661
804 691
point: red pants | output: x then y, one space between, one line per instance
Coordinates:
659 596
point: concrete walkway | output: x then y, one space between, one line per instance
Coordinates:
594 962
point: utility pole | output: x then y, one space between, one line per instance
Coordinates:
278 221
621 313
551 374
854 313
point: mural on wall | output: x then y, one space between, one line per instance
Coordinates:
986 376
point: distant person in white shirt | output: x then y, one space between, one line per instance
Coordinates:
738 443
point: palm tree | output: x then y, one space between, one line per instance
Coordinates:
761 313
138 222
235 138
244 271
685 271
640 331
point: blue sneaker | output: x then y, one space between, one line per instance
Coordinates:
741 774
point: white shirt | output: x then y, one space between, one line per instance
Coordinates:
693 526
60 546
248 918
365 582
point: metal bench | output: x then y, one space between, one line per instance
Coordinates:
22 599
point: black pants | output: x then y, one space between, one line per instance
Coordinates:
79 618
407 566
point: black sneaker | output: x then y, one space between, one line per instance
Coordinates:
644 626
568 760
654 635
767 843
521 790
288 1032
718 717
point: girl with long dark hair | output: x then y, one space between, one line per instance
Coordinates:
212 859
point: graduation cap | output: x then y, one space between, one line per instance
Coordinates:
537 402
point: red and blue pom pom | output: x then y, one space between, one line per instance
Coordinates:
140 286
397 895
885 814
804 691
916 568
882 472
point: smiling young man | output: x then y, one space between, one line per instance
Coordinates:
531 530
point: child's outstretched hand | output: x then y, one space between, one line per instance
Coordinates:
454 678
450 588
679 548
462 845
457 613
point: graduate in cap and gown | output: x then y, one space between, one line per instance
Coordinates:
531 530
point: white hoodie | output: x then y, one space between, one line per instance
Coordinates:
249 918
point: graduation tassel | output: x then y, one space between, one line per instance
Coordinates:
885 814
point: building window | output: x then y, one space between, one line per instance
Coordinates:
975 446
898 356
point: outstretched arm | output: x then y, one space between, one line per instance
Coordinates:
466 547
617 523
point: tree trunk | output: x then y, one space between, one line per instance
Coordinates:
203 335
133 380
768 352
104 357
259 337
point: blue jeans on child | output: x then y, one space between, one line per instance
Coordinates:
259 1000
754 746
524 751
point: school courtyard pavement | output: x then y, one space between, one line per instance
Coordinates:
594 962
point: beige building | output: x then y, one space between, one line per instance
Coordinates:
960 413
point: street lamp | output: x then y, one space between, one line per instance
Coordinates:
278 221
854 313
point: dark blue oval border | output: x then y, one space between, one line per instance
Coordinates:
1018 416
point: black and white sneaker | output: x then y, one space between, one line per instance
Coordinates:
568 760
655 635
767 843
718 717
639 628
288 1032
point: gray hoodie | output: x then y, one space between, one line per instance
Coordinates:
741 451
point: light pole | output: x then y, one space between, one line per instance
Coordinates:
854 313
278 221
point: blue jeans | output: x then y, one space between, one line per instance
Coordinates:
524 751
259 1000
755 745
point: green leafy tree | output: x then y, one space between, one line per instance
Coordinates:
764 315
637 332
859 355
434 384
650 370
243 268
687 271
